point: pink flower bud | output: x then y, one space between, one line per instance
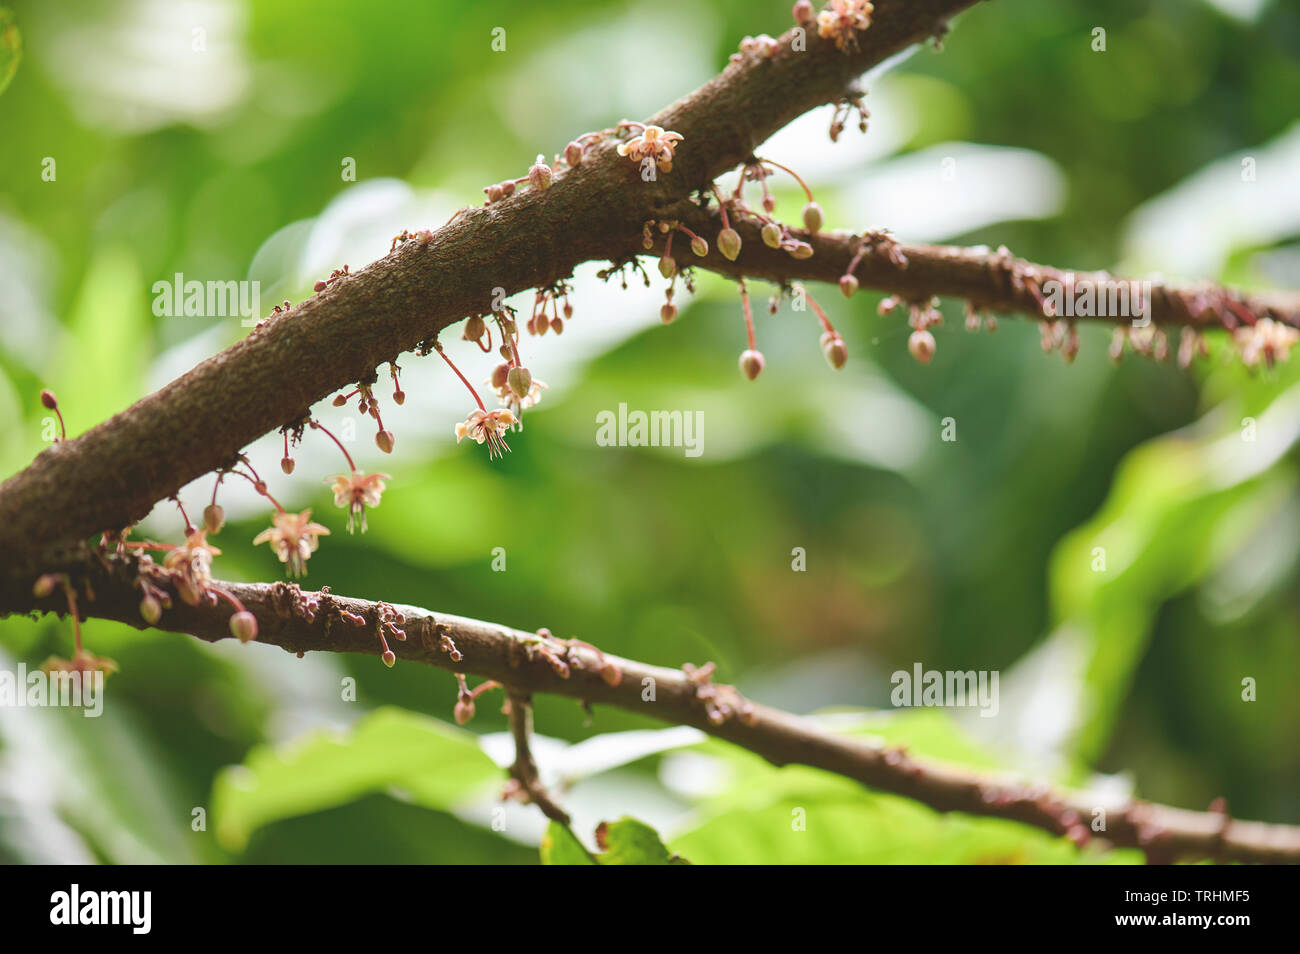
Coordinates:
384 440
729 244
921 345
340 400
772 235
319 286
474 329
573 154
44 585
557 325
848 285
500 375
802 250
803 12
668 313
699 246
751 363
48 400
837 353
494 193
214 518
812 217
539 176
520 380
667 267
286 464
399 396
243 626
389 657
464 711
150 610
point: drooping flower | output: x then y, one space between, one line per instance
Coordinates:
294 538
357 491
842 21
191 566
652 141
487 427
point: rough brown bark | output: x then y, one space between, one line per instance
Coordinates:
511 657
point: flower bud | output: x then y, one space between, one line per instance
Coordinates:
699 246
243 626
573 154
494 193
464 711
389 657
837 353
769 203
399 396
812 217
150 609
772 235
319 286
848 285
44 585
214 518
500 374
508 188
286 464
729 244
801 250
751 363
539 176
557 325
667 267
48 400
340 400
803 12
474 329
921 345
668 313
384 440
520 380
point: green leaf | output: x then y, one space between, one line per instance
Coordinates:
630 842
11 48
426 761
561 847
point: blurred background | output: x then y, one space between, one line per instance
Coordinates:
214 138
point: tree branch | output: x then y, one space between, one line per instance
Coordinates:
302 622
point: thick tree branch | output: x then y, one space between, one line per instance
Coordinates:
302 622
993 280
110 477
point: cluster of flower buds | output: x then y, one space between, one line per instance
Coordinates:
539 322
761 45
922 316
334 276
978 316
422 236
844 108
1063 336
721 702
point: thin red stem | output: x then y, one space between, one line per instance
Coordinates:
463 379
328 433
749 315
798 178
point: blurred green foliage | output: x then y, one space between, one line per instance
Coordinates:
978 554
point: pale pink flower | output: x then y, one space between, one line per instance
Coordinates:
191 566
842 21
357 491
652 141
1266 340
487 427
294 538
